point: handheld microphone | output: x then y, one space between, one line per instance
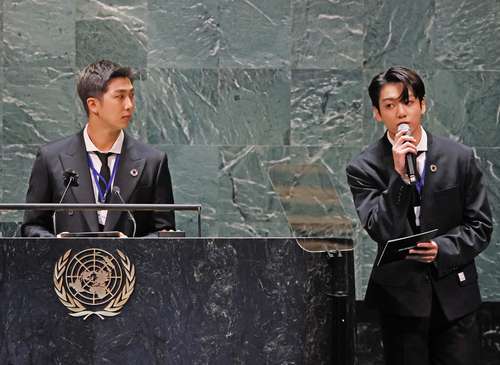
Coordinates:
70 179
411 159
116 190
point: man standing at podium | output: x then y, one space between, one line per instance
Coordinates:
427 302
110 164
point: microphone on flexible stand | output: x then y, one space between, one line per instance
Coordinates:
70 179
411 159
116 190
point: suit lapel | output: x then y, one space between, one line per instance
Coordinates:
128 175
430 160
386 158
429 182
76 158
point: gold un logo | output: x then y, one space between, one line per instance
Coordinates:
94 282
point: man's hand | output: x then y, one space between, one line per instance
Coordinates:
403 144
425 252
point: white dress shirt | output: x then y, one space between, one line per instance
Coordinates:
91 149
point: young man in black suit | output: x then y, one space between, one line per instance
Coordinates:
104 156
427 302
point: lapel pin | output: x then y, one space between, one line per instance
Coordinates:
434 168
134 172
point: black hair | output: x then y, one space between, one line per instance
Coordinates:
397 74
93 79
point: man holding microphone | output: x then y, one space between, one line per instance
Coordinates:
411 181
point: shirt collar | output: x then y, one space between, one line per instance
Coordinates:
422 145
90 146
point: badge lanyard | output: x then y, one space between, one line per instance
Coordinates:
419 186
420 181
98 176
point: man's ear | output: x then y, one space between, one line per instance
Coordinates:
93 105
376 114
423 106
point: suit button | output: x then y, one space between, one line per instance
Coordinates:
70 212
427 277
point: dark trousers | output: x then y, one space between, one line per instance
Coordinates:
431 340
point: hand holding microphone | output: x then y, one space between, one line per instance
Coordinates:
404 154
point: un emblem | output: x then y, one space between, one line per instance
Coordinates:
94 282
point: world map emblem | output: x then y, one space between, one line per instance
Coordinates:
94 282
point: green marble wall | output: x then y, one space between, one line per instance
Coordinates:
259 103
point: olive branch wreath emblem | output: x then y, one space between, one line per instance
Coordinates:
77 309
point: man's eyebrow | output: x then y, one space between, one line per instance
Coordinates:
123 90
400 97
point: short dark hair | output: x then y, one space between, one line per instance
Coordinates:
93 79
396 74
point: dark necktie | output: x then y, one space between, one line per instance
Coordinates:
415 201
105 173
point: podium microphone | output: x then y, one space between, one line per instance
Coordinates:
70 179
411 159
116 190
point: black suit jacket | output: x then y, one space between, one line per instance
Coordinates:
152 185
453 200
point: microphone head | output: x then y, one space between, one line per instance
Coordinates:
404 127
116 191
68 174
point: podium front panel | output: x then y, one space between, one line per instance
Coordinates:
193 301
